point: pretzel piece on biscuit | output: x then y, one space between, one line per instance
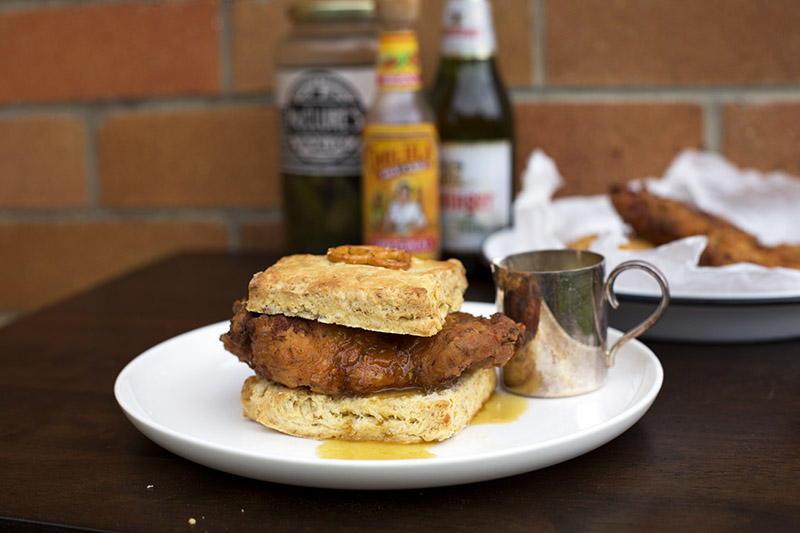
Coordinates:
370 255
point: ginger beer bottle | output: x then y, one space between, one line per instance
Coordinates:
475 123
400 162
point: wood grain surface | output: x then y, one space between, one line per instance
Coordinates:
718 450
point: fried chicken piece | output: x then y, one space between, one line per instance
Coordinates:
662 220
338 360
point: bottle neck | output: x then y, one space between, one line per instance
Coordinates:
467 30
398 61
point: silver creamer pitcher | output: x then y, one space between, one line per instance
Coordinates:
560 296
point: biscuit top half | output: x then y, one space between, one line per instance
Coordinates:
414 301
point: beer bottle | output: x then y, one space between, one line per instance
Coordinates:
400 170
475 123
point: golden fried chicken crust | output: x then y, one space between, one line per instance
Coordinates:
662 220
336 360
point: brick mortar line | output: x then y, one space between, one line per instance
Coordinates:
233 227
699 95
91 120
178 214
105 106
724 94
225 44
30 5
712 127
720 119
537 8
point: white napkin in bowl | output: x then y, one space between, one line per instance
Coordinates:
766 205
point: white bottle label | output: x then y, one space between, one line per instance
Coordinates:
467 29
322 115
475 192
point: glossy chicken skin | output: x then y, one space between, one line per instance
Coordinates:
339 360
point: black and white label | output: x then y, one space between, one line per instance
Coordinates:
322 117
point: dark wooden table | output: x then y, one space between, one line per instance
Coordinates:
719 449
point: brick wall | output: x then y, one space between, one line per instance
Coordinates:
133 129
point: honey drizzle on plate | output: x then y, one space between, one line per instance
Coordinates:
501 408
373 450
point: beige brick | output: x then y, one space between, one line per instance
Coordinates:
109 50
763 136
665 42
190 157
53 260
596 145
42 162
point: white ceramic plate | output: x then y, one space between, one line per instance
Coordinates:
184 395
744 317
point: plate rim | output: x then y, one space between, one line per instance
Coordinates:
603 432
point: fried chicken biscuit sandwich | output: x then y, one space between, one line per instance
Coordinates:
366 343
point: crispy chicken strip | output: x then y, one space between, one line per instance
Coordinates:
662 220
339 360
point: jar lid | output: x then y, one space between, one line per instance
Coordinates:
311 10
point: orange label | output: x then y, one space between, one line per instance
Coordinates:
398 62
401 188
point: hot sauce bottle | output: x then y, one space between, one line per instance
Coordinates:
400 161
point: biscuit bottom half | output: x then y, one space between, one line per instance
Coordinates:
405 416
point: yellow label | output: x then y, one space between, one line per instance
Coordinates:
401 188
398 61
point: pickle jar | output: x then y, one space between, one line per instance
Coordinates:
325 83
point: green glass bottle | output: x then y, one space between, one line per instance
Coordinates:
476 126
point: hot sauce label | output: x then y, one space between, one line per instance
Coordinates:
398 61
401 188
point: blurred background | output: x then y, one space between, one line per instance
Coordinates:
131 130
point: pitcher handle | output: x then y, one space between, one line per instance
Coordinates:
608 289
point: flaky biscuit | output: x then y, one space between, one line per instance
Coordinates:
393 416
412 302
